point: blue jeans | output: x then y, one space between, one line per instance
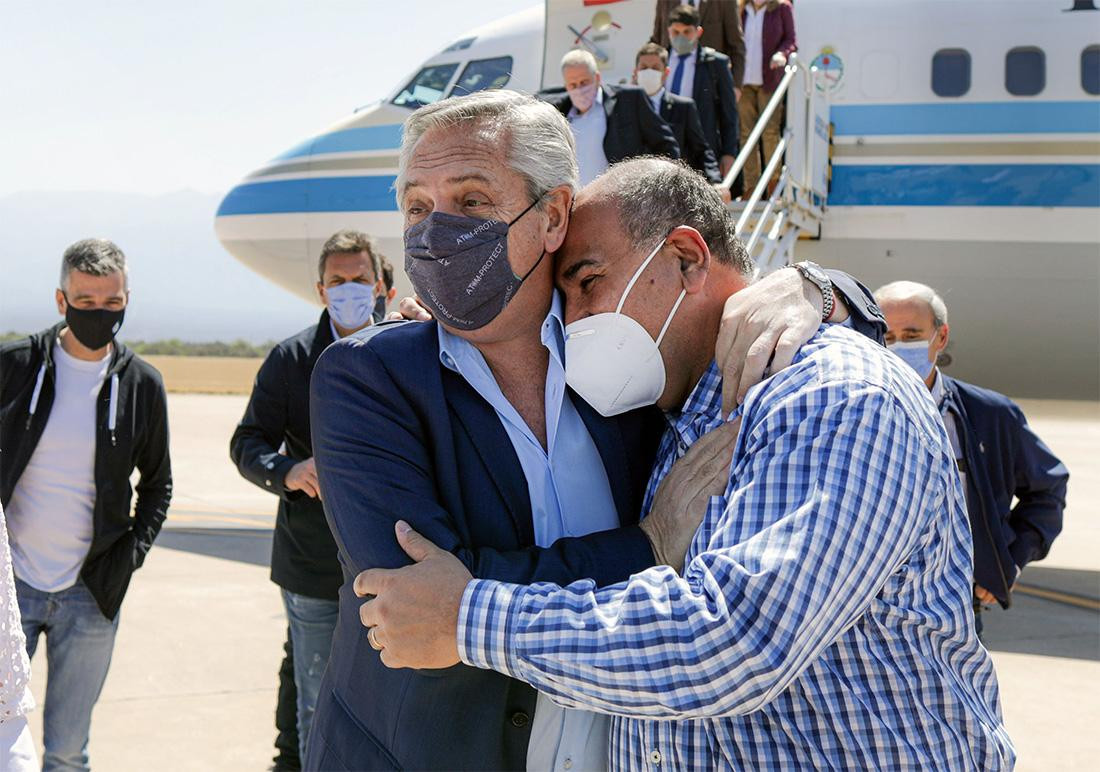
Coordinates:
312 622
79 643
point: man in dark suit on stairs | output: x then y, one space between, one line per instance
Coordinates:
680 113
609 123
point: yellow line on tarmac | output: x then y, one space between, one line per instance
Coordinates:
222 519
1070 599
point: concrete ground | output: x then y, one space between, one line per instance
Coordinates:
192 685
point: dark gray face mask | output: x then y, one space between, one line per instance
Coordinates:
459 267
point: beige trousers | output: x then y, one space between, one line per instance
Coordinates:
752 103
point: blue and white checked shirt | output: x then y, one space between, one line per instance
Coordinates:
823 619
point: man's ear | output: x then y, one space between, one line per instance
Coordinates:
694 255
391 294
942 336
559 203
59 296
321 292
698 33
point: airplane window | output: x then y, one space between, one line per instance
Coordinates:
951 72
1090 70
483 74
1025 71
427 87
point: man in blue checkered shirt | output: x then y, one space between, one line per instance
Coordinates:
822 617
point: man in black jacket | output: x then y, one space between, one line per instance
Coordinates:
1015 486
609 123
704 75
272 448
78 413
680 113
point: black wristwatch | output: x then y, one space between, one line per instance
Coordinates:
815 274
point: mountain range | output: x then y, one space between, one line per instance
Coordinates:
183 283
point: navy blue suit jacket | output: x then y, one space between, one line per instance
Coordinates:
1005 460
398 436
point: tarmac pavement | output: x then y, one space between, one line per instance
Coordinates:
192 685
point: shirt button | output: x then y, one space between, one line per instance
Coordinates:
568 764
520 719
655 757
267 483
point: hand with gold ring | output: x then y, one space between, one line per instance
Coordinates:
372 638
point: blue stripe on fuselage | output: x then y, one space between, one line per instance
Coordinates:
319 194
866 120
878 185
967 118
386 137
966 185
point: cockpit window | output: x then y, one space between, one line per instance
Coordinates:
427 86
483 74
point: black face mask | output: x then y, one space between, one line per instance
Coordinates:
93 327
459 267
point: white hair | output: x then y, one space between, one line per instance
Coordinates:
901 291
539 144
579 57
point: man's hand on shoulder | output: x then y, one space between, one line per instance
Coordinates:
411 310
683 496
413 617
763 327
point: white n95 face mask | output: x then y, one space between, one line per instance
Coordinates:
650 80
610 359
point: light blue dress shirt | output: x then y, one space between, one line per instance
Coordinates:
589 131
570 496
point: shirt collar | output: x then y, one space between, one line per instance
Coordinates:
689 55
702 408
552 335
939 390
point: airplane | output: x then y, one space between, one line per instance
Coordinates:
965 154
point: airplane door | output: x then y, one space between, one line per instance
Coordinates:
613 30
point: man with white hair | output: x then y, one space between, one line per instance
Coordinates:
465 428
1000 458
609 123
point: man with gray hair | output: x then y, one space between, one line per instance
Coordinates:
820 616
609 123
464 427
80 412
1015 486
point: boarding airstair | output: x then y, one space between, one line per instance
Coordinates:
789 201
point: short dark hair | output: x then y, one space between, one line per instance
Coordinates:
348 242
387 272
652 49
653 195
684 14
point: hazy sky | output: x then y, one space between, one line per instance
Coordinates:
153 97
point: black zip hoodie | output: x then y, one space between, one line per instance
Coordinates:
131 432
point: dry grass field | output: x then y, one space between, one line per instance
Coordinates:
207 375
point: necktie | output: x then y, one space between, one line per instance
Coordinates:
678 75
